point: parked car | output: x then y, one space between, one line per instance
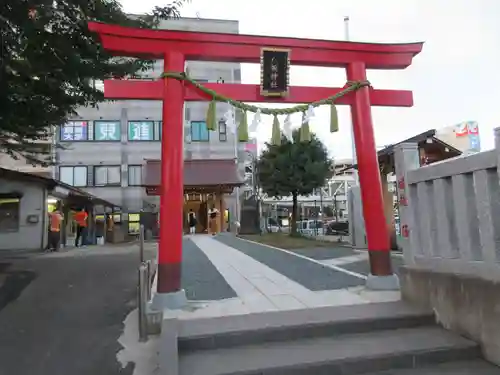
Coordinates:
337 228
273 226
311 228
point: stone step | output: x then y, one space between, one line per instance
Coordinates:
473 367
347 354
231 331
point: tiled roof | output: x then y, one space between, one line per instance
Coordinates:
198 173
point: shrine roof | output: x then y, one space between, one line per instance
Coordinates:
385 156
215 172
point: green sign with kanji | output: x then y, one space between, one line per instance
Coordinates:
107 130
141 131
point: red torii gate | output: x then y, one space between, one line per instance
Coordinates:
176 47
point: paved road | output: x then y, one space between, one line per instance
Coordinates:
362 266
62 314
298 269
311 275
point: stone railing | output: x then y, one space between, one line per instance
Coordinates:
450 224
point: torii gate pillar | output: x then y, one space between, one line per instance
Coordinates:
381 276
169 292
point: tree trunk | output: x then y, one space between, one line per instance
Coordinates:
293 229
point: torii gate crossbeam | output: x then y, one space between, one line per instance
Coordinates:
177 47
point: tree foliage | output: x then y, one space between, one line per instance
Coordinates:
293 168
50 62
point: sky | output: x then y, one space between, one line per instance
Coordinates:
455 78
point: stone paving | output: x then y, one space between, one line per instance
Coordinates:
260 287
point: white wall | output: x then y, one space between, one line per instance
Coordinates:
33 202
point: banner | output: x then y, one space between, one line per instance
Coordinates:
469 129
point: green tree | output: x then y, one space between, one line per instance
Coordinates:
293 168
50 62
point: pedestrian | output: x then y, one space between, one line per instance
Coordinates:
192 221
81 226
213 214
55 221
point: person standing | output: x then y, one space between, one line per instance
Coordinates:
213 214
81 226
192 221
55 221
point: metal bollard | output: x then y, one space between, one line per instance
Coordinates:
141 242
142 302
148 263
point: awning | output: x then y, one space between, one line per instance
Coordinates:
56 188
198 173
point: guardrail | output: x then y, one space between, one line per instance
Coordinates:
450 211
450 226
145 280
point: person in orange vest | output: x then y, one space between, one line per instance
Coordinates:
81 226
55 221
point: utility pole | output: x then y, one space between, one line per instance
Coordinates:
236 159
353 144
346 28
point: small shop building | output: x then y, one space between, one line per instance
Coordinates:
26 201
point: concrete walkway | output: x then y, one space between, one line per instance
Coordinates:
260 288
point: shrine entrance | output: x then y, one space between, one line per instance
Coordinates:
275 56
207 184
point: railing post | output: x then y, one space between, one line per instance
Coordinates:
141 243
406 158
142 300
149 284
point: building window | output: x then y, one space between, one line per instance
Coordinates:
141 130
107 131
158 130
199 131
237 75
9 213
74 131
134 223
222 131
107 176
74 176
134 175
